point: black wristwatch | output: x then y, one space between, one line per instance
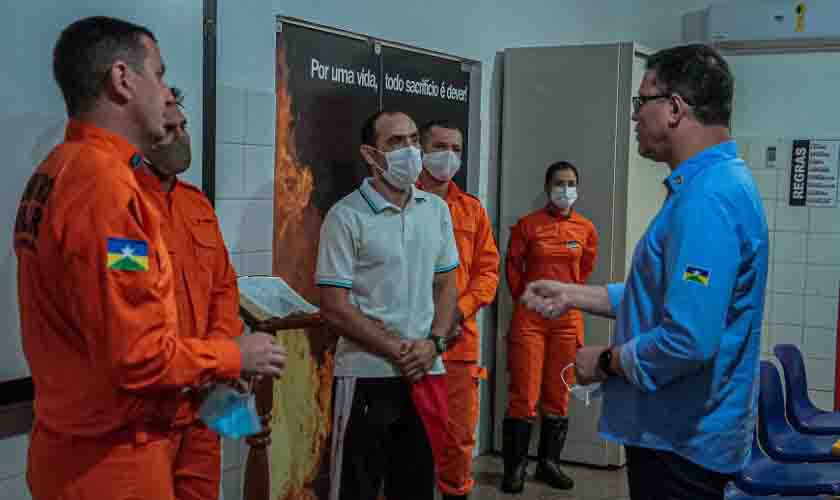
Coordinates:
440 343
604 361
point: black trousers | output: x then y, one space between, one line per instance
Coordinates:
386 442
662 475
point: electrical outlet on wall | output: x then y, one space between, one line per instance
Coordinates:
770 155
775 152
764 152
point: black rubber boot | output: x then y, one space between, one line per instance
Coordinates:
516 435
552 438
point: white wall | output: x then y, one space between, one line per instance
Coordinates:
777 99
244 200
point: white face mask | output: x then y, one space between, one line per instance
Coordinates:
404 167
442 165
563 196
585 393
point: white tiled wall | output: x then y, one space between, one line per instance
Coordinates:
245 173
244 204
234 458
804 270
244 176
13 468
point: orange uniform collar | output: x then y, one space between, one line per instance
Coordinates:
148 180
549 208
79 131
452 189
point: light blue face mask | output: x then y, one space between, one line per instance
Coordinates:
585 393
231 413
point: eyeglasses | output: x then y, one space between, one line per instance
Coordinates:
641 100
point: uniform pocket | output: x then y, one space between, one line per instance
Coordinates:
205 239
464 237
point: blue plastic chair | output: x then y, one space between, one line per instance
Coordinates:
801 412
765 476
733 493
781 442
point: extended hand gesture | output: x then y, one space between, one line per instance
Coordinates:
547 297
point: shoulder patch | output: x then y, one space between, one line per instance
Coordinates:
128 255
697 275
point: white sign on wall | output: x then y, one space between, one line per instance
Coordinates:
814 169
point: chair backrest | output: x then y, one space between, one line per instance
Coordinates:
771 409
743 479
758 452
797 404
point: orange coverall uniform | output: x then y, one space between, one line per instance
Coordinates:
208 307
545 245
477 278
99 324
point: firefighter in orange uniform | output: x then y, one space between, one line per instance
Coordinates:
99 316
205 290
477 279
557 243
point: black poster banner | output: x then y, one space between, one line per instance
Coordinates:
427 88
332 83
328 84
799 161
814 173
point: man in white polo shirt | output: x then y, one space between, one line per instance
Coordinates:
385 267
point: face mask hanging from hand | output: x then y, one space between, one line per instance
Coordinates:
563 197
585 393
231 413
404 167
442 165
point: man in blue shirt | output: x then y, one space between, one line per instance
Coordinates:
680 380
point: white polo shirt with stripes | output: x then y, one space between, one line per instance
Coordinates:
387 257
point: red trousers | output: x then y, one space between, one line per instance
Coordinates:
183 464
462 378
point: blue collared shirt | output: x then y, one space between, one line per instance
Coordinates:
688 318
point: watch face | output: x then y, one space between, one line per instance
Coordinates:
604 361
440 344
